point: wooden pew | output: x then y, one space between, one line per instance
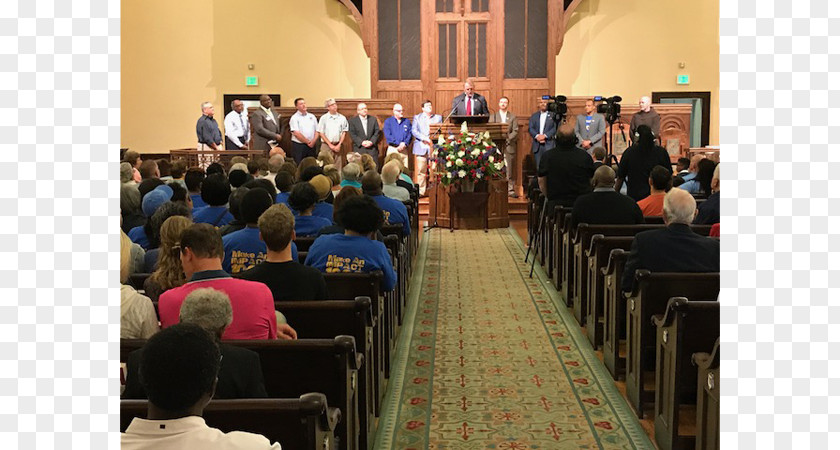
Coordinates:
650 295
392 298
304 242
565 258
597 257
304 423
708 398
136 281
294 367
557 230
655 220
302 257
348 286
326 319
685 328
614 313
399 257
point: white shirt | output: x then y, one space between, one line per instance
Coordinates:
332 125
188 432
307 125
364 123
543 116
236 125
138 319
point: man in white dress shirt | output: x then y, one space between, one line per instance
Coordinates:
332 127
237 128
179 371
304 128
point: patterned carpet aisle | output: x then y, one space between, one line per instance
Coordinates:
488 360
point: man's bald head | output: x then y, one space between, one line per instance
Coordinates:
679 207
371 183
604 177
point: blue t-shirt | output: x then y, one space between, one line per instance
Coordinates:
333 253
138 236
310 225
691 184
244 249
283 197
217 216
323 209
395 212
197 201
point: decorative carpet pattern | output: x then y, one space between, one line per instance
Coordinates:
487 359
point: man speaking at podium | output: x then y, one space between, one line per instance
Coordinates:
469 103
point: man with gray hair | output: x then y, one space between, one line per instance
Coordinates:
332 127
240 373
675 248
207 129
390 173
605 206
274 165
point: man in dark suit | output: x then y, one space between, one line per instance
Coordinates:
543 131
364 131
509 150
265 125
240 373
674 248
605 206
470 103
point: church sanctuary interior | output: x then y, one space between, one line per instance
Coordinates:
420 224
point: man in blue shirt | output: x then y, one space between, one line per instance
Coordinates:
207 129
355 250
284 181
193 179
394 211
244 248
303 199
397 131
215 191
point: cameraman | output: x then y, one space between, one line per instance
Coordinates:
543 130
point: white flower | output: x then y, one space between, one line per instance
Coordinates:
441 140
475 152
491 159
448 163
459 162
462 173
498 166
478 175
461 154
469 139
448 174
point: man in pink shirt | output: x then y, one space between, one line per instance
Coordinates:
253 304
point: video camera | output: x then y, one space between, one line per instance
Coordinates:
557 107
610 108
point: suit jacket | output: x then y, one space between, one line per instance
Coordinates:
263 129
513 130
595 133
357 134
479 105
672 249
606 207
550 132
240 374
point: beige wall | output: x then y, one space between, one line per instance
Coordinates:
633 47
177 54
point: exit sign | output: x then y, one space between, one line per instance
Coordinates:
682 79
251 81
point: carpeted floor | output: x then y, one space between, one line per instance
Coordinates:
486 359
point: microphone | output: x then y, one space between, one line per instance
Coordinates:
455 106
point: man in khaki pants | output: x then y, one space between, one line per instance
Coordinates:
420 129
332 127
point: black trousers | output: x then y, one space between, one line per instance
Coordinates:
229 145
300 151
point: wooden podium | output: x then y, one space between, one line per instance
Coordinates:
469 208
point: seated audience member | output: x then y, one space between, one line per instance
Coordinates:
243 248
390 173
151 202
323 187
240 374
274 165
261 183
215 191
310 173
238 160
284 182
253 305
705 172
193 179
688 181
355 250
218 168
404 180
281 271
605 206
234 202
133 158
138 319
302 199
682 166
325 158
290 167
126 174
345 193
130 211
715 231
238 177
148 185
674 248
168 273
565 172
149 169
660 184
254 168
331 172
166 211
367 163
180 194
637 162
599 154
178 170
351 175
164 170
394 210
708 213
179 370
306 163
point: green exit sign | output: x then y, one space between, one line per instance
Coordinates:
682 79
251 81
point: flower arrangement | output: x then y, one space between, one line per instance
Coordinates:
467 156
